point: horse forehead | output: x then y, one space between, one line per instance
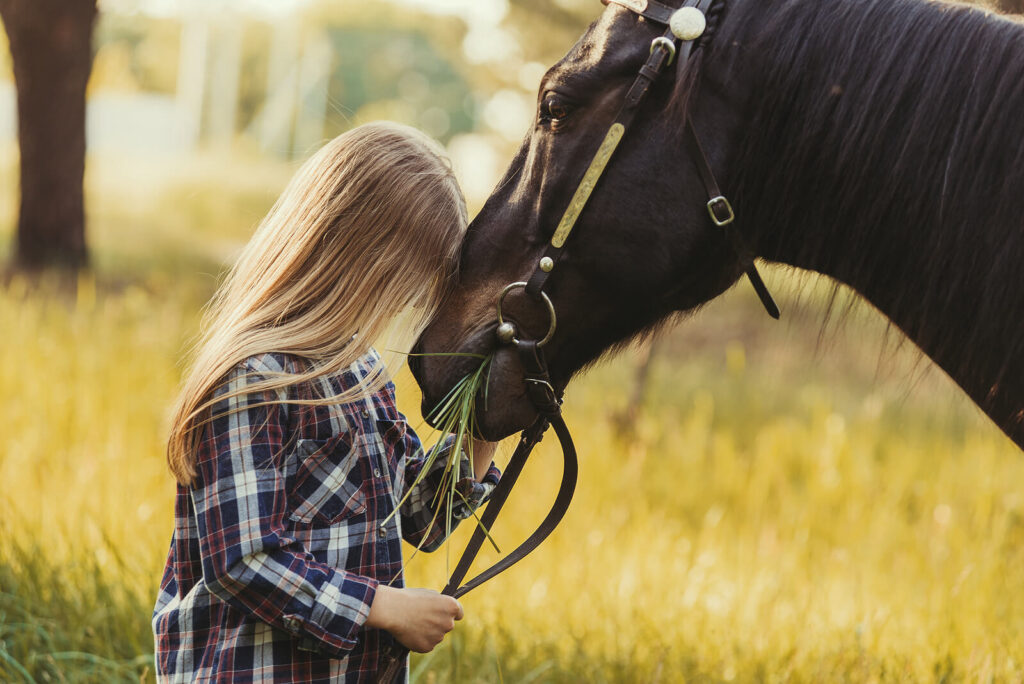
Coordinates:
608 27
603 42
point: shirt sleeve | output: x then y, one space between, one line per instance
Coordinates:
425 522
248 559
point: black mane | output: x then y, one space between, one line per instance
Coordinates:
884 146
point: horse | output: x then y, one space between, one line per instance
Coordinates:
877 142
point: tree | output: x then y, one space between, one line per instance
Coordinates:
51 53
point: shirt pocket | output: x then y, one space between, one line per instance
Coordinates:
328 484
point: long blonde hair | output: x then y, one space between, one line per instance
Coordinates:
368 228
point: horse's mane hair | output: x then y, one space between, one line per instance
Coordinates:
888 122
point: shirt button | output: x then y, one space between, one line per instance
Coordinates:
366 414
376 472
382 532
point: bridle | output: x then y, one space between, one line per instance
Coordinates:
684 25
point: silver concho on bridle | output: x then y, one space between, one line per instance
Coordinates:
688 23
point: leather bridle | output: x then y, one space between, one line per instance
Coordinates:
684 26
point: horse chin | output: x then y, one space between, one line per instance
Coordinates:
503 409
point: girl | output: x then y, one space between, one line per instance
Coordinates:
285 564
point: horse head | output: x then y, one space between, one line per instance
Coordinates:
867 140
642 249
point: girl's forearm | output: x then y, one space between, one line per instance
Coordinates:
483 454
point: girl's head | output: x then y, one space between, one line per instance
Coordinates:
369 227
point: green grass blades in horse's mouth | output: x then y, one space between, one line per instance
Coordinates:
455 417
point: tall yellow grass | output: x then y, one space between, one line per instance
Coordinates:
762 521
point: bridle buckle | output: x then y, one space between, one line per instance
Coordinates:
721 211
667 45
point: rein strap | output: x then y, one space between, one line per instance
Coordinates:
394 656
542 393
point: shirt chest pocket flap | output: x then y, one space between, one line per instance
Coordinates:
328 484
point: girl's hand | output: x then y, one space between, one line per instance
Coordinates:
418 618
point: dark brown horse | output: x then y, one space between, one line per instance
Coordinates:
879 142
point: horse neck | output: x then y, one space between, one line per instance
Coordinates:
883 149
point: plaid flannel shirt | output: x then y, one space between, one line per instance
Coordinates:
281 542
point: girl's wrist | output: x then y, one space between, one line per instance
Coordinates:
483 455
382 609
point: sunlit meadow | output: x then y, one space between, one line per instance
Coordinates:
788 504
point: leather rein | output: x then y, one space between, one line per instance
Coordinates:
684 26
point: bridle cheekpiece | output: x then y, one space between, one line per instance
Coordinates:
684 26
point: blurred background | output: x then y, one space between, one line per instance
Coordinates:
806 500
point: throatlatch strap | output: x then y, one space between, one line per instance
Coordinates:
739 246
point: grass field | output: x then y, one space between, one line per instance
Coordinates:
790 505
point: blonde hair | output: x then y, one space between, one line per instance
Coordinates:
369 227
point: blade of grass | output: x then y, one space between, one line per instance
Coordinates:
466 354
455 415
431 455
14 664
487 533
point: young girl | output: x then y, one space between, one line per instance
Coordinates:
286 563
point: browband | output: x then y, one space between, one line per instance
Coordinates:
650 9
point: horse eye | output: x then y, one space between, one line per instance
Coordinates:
554 108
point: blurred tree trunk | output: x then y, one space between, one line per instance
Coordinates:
51 50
